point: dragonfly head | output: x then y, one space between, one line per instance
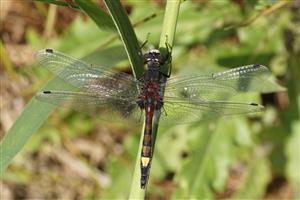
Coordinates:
153 59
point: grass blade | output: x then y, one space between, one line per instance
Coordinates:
60 3
128 36
32 117
132 47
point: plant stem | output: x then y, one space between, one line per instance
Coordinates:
168 29
50 23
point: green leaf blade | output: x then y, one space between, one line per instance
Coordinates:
101 18
127 35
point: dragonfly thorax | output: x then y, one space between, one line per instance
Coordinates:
153 59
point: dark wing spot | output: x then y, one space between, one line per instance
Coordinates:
47 92
256 66
253 104
49 50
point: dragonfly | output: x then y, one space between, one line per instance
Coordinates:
181 99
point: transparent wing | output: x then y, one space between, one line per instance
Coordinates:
178 111
112 109
217 86
96 90
192 98
87 77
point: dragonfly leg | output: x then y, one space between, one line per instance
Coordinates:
168 46
144 43
140 103
159 104
168 58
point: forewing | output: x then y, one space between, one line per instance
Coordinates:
217 86
88 77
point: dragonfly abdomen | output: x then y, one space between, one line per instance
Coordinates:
146 154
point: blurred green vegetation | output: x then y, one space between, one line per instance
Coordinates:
242 157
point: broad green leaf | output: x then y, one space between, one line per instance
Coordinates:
169 159
255 180
194 167
120 175
212 153
101 18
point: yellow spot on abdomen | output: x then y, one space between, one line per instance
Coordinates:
145 161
